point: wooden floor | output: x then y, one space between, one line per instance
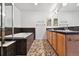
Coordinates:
41 48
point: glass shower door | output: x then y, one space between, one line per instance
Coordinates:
1 28
6 27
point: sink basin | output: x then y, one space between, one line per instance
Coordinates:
67 30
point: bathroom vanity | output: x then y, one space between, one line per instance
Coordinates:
65 43
8 48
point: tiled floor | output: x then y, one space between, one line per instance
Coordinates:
41 48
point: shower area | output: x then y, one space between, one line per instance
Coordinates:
6 28
13 40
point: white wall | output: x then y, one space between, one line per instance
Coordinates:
31 19
17 17
72 18
8 17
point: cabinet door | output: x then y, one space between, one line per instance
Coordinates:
49 37
29 41
61 44
73 45
54 41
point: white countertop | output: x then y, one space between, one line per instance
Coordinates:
19 35
7 43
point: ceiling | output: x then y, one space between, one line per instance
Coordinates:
31 7
70 7
46 7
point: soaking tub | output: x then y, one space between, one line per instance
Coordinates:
19 35
23 42
9 48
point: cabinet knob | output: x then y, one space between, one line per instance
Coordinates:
69 39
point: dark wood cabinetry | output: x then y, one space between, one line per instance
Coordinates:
23 45
9 50
30 40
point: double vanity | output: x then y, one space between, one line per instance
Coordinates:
19 45
64 42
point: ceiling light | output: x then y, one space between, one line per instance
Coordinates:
35 3
77 4
64 4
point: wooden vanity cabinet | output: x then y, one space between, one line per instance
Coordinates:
54 40
49 37
64 43
60 44
68 44
72 44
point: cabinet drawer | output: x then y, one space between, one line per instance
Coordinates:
73 48
73 37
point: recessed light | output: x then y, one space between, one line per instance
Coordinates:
35 3
64 4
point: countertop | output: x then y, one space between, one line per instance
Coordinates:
7 43
19 35
64 31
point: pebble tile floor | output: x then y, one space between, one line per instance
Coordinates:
41 48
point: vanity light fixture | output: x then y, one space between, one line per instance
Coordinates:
64 4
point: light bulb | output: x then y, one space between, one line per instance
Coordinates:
35 3
64 4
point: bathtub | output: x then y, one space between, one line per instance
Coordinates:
7 43
23 41
19 35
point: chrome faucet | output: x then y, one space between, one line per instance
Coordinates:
66 28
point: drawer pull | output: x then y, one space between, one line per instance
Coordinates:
69 39
73 39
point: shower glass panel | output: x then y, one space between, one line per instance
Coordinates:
8 19
0 19
6 26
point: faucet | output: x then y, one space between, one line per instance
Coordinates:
66 28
